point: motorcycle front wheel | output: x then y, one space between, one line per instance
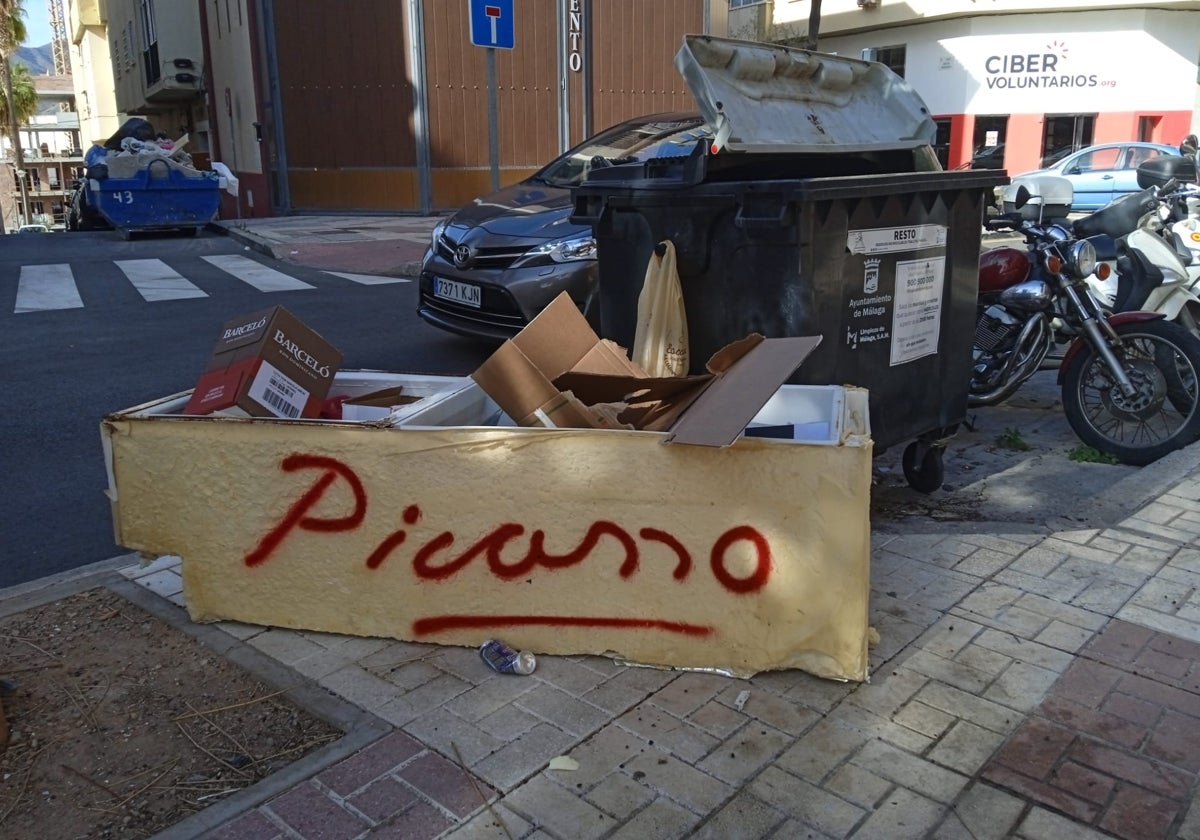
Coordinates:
1162 360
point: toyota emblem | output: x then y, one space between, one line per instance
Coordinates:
462 256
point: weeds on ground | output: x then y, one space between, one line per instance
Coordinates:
1011 438
1091 455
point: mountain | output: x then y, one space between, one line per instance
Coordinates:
39 60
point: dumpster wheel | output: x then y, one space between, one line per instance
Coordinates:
923 467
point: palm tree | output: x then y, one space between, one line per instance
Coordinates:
12 34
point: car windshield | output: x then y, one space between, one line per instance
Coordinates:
625 144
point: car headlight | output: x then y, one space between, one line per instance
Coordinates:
570 249
436 234
1083 257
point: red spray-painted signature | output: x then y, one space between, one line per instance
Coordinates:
435 560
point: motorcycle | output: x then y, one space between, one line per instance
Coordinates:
1129 381
1153 267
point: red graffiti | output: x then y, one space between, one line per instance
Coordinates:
434 560
296 518
441 623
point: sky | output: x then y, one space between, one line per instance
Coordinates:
37 23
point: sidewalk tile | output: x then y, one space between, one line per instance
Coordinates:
420 822
520 759
376 760
497 823
443 730
1032 652
823 748
564 711
310 813
618 795
1083 782
546 803
481 700
359 687
575 678
810 805
447 784
1161 622
689 692
720 720
691 743
1041 824
602 753
1040 791
1087 719
875 726
924 719
253 825
987 813
692 788
982 712
1064 636
910 771
1035 748
890 691
965 748
413 704
745 817
662 818
949 636
744 754
1137 815
287 646
1021 687
1104 596
949 671
382 799
903 815
858 785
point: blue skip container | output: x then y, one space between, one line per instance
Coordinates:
159 197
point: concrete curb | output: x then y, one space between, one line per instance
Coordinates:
245 237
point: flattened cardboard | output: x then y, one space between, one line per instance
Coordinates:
736 393
520 375
707 410
377 405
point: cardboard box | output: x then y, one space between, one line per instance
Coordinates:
268 364
520 375
557 372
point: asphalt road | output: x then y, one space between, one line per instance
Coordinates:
64 369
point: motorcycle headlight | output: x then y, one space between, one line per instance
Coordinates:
570 249
1083 257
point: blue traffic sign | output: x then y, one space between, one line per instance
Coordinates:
492 23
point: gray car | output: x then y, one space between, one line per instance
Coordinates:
497 262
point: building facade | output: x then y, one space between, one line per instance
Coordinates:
92 70
1033 78
388 108
53 159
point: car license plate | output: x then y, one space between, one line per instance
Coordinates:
458 292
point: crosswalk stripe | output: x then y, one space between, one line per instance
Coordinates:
155 280
369 279
256 274
43 287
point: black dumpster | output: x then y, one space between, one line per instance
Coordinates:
781 228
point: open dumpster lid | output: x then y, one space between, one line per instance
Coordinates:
770 98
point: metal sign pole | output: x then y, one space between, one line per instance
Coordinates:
493 120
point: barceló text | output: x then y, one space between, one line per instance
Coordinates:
438 559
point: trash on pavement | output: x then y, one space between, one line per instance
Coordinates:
268 364
563 762
505 660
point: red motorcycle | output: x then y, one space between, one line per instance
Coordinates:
1129 381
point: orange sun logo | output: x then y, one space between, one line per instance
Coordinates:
1059 47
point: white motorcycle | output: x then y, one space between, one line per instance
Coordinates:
1155 270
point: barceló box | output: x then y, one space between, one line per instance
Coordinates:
266 364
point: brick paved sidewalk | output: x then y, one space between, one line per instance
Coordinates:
1024 687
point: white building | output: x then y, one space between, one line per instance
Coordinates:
1033 77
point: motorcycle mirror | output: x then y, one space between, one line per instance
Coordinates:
1022 196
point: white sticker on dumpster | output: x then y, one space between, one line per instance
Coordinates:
891 239
917 316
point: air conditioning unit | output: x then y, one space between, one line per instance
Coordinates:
868 4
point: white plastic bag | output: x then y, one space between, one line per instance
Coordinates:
660 342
